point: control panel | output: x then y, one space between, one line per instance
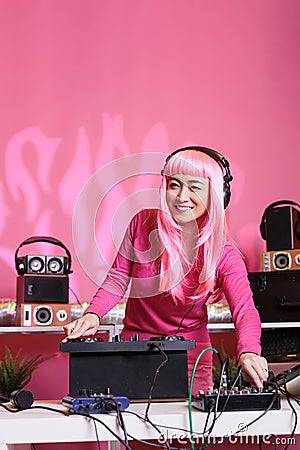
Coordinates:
129 366
90 402
134 344
244 399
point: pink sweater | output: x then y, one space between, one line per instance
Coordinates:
150 313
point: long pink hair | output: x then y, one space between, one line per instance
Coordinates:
210 237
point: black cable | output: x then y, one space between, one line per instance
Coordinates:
167 427
121 421
76 296
106 426
70 413
229 394
295 417
289 396
12 410
182 319
206 433
250 423
166 359
97 436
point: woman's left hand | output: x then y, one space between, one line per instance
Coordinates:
254 368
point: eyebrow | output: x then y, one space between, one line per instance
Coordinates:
188 181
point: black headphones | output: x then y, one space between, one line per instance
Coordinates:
21 399
262 226
219 158
22 263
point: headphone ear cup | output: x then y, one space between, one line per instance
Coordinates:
262 227
21 265
67 265
21 399
297 229
227 193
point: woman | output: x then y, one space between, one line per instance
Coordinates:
178 258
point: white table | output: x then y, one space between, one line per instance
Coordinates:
42 426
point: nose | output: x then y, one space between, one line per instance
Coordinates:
184 193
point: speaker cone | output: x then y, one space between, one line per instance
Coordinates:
282 261
43 315
55 265
36 264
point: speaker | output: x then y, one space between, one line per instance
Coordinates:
32 315
38 264
43 264
42 289
280 260
276 295
219 158
280 225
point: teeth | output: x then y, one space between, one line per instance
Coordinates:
183 208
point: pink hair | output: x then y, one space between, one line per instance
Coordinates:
210 237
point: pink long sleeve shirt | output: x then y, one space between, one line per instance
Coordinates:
152 313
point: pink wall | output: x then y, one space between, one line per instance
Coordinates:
84 83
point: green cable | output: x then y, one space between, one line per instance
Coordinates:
191 389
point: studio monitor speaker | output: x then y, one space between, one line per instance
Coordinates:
280 225
280 260
42 289
31 315
276 295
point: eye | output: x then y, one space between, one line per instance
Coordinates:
173 185
194 188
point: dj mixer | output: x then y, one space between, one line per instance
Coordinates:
128 367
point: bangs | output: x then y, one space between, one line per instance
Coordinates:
194 163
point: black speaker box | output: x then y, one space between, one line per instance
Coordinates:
42 289
129 368
276 295
280 225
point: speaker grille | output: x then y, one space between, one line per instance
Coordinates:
42 289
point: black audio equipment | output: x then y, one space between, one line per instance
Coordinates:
219 158
21 399
280 225
42 289
93 403
280 344
37 264
32 315
276 295
129 367
280 260
43 278
237 400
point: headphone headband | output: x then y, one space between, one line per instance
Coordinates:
218 157
49 240
279 203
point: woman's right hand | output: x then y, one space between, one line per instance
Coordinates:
87 325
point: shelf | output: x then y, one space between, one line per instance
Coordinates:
116 329
228 326
49 329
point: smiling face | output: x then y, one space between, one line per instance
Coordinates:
187 197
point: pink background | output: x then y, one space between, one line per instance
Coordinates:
86 82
